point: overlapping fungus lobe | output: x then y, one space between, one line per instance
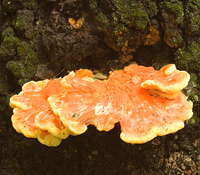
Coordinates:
168 79
31 103
81 103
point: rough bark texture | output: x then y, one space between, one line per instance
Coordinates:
48 38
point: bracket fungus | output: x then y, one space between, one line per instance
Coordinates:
147 103
33 116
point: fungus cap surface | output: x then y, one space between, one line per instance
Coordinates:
30 104
167 82
124 98
146 103
33 116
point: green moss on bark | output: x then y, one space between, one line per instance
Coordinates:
128 13
123 21
23 67
24 20
102 21
134 13
21 70
8 46
188 57
192 17
173 17
192 90
26 53
175 7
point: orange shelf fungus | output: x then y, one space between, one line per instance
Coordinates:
167 82
147 103
32 111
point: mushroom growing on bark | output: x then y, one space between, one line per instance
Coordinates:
147 103
32 111
126 97
33 116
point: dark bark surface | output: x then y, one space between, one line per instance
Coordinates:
48 38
